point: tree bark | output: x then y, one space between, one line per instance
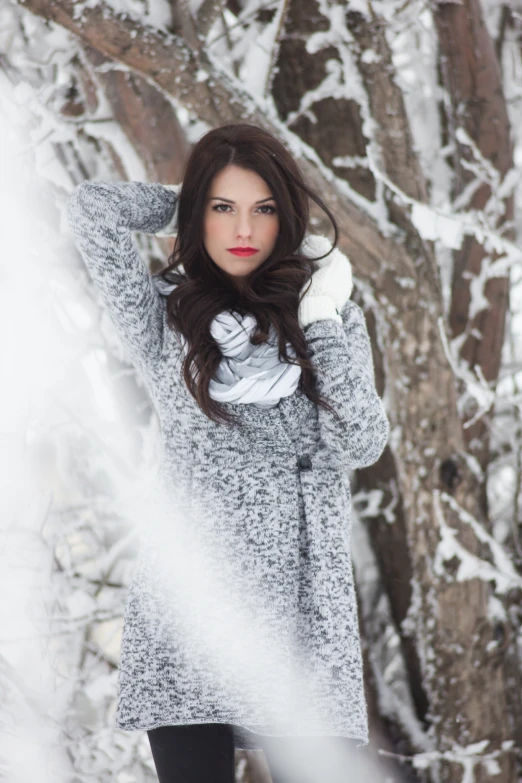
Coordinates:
472 79
147 119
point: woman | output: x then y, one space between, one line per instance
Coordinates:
261 371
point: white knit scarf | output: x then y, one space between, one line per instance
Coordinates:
247 373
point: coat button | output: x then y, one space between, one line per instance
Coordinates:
304 462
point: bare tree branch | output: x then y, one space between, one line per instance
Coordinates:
208 12
147 118
392 133
183 23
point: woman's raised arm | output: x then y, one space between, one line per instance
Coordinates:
102 216
342 356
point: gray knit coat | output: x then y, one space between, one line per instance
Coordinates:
276 490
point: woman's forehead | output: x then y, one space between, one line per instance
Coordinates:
237 184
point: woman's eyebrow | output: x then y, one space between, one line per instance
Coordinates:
229 201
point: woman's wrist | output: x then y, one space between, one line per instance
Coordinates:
317 308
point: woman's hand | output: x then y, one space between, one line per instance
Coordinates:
331 284
172 226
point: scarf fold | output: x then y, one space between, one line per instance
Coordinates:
250 373
247 373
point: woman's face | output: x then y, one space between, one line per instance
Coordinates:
240 212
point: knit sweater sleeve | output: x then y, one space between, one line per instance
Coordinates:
342 357
102 216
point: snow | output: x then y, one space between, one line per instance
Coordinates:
433 225
501 570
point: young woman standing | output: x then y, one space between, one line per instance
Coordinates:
261 371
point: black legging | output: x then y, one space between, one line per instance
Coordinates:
199 753
193 754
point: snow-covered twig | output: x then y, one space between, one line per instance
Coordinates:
471 567
433 223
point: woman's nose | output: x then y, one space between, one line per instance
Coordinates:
244 226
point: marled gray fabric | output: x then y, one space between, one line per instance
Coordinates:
278 490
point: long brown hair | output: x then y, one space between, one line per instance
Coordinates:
271 292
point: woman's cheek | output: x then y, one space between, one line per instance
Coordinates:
213 228
275 231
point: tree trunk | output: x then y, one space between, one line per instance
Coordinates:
477 118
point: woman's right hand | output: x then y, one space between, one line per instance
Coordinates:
171 228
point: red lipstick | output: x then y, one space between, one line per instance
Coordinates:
242 251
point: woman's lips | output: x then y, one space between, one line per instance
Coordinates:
242 251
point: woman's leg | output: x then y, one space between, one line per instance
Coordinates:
196 753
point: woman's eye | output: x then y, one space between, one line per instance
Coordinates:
271 210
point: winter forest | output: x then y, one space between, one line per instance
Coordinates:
405 115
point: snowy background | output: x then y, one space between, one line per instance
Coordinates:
78 426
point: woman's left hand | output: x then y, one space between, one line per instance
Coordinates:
330 287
